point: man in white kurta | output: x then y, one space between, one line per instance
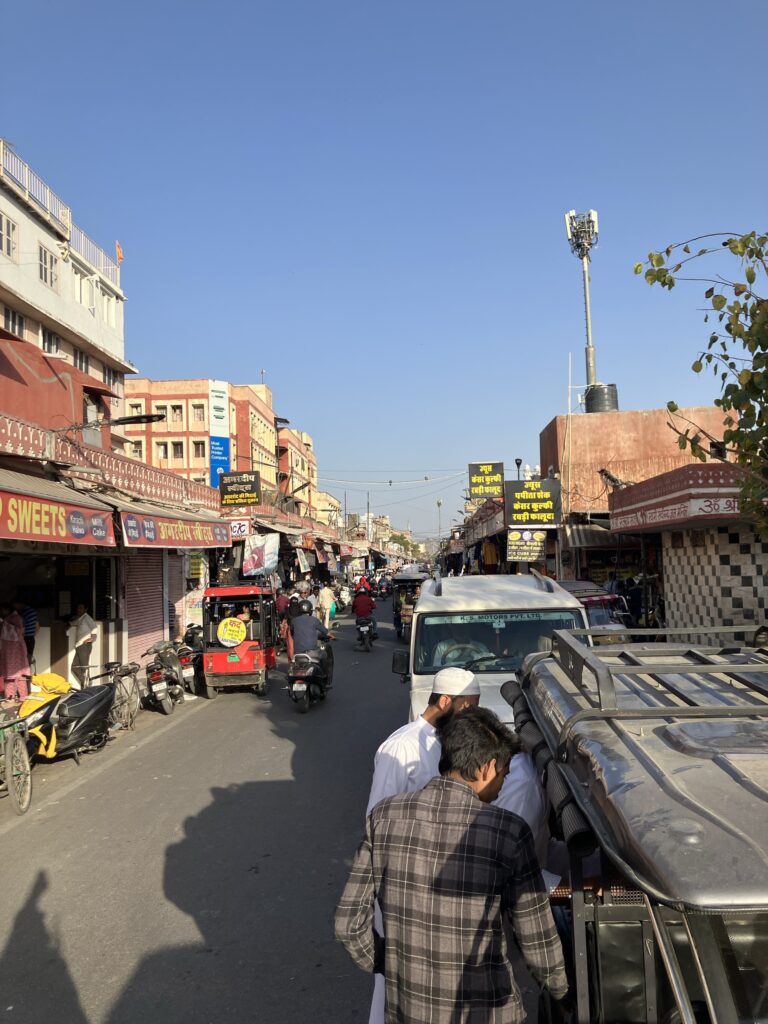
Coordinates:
410 757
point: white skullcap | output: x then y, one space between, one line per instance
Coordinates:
456 682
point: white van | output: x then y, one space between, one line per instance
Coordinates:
487 624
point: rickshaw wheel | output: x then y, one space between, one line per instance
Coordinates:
18 773
209 692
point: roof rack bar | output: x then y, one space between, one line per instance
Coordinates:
575 657
671 963
543 581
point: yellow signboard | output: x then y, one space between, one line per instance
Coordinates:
231 632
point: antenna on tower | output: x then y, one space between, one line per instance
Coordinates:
581 229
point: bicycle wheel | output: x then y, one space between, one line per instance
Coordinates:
18 773
132 701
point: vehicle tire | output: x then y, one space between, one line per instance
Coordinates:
302 706
166 705
368 643
18 773
180 696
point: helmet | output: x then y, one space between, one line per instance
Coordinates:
305 607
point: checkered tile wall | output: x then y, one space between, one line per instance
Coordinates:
717 577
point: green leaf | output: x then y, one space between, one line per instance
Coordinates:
745 377
650 276
709 292
739 289
750 274
682 442
697 366
638 268
656 259
686 248
718 301
672 406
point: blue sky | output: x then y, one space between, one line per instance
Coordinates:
366 199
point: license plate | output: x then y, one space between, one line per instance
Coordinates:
365 629
159 689
299 687
233 657
188 672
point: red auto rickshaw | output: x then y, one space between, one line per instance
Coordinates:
240 629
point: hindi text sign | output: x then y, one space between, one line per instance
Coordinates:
532 504
486 480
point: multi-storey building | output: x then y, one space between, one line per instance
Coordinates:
297 470
60 292
328 510
209 427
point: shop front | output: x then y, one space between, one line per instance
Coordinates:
58 550
162 546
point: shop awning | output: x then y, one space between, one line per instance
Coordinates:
33 508
590 535
155 526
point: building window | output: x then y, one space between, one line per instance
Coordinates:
162 449
176 413
48 264
162 410
81 360
108 303
199 479
178 449
198 413
7 237
135 409
83 289
137 450
51 342
199 449
14 322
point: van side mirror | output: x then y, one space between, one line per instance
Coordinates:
400 665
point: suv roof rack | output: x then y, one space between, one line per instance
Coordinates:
543 581
663 750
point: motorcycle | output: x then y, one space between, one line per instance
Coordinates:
385 589
190 654
365 634
165 677
61 720
310 676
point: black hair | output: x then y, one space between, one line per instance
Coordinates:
473 738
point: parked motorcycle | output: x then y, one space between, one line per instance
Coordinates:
61 720
310 676
165 677
190 652
365 633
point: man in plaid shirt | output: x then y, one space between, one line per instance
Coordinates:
447 868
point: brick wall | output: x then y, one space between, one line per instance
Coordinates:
715 577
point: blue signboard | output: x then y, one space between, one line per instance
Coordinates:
219 458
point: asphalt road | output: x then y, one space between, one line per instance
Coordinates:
189 872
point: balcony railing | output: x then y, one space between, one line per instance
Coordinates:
95 255
34 188
24 180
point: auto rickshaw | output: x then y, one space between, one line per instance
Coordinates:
240 630
405 594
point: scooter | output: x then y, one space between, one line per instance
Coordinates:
165 677
310 676
365 634
61 720
190 654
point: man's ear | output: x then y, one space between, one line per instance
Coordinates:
488 770
444 703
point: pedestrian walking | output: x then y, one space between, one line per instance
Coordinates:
325 601
448 870
84 629
14 662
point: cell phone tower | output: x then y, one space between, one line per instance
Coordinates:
582 230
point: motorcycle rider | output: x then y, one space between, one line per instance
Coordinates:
363 606
307 629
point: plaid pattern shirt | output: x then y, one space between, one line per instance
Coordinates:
446 869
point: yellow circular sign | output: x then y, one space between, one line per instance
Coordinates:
231 632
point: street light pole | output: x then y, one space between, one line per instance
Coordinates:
439 523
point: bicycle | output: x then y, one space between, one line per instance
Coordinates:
125 706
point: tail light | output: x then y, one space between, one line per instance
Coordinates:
155 676
185 659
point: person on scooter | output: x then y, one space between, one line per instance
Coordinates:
307 629
362 608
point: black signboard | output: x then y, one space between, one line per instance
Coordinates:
240 489
486 480
526 545
532 504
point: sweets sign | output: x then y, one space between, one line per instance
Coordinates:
533 504
486 480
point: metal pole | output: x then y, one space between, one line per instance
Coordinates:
368 516
590 349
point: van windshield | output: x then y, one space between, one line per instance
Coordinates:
489 641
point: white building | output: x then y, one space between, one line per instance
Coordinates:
58 289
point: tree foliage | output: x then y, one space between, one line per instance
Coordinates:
736 352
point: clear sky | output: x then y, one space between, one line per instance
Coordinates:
366 200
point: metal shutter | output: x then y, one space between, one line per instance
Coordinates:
144 601
176 591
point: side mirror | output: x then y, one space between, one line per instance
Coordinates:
400 665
